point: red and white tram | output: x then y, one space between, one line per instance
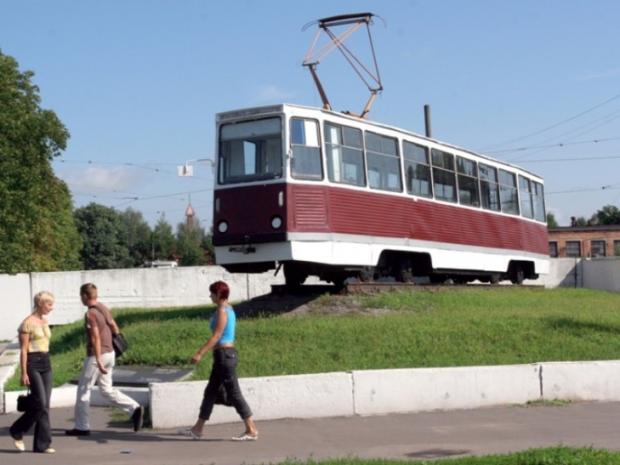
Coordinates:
332 195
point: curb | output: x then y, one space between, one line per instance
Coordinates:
376 392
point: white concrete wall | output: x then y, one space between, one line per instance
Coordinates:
582 380
183 286
296 396
602 273
146 287
563 272
16 303
415 390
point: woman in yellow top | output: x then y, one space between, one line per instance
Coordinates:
36 372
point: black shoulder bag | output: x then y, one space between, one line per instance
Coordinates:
25 402
119 343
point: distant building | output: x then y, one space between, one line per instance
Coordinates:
190 215
585 241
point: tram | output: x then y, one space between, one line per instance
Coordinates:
332 195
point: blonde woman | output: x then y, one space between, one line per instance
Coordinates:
36 373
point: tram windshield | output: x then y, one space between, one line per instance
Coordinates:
250 151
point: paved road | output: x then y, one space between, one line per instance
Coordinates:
404 436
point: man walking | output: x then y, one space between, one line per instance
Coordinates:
98 365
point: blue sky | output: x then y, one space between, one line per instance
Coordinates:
139 82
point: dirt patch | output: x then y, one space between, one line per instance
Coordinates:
306 303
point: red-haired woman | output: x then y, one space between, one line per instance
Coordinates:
223 373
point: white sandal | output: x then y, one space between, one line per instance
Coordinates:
190 434
246 437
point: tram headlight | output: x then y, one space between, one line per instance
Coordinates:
222 226
276 222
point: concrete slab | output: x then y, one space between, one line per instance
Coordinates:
400 436
142 376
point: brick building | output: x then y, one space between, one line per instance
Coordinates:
585 241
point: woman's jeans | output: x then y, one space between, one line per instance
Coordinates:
40 374
224 374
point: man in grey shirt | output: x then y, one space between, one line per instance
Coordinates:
98 365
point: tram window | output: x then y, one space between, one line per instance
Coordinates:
306 161
525 195
383 163
250 150
509 199
417 169
489 188
345 158
539 201
444 180
468 182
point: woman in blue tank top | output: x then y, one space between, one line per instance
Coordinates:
223 385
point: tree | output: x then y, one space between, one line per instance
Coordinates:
581 221
609 214
37 232
189 240
136 237
551 221
102 231
162 240
207 247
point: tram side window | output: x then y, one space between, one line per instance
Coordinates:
383 163
525 194
468 182
539 201
444 181
489 188
417 169
345 157
509 199
306 161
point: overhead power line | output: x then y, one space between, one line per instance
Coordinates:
558 144
550 160
559 123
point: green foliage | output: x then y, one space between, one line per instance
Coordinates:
37 232
103 233
548 456
582 221
136 237
163 241
189 245
551 221
609 214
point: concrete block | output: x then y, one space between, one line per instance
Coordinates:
298 396
423 389
64 396
581 380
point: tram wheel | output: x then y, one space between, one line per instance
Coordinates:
518 275
293 276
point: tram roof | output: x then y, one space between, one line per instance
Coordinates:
280 108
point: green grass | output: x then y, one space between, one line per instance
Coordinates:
454 327
551 456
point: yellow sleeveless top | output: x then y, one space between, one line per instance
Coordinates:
38 336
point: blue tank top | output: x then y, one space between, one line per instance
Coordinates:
228 336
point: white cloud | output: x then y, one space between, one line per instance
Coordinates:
99 179
272 93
